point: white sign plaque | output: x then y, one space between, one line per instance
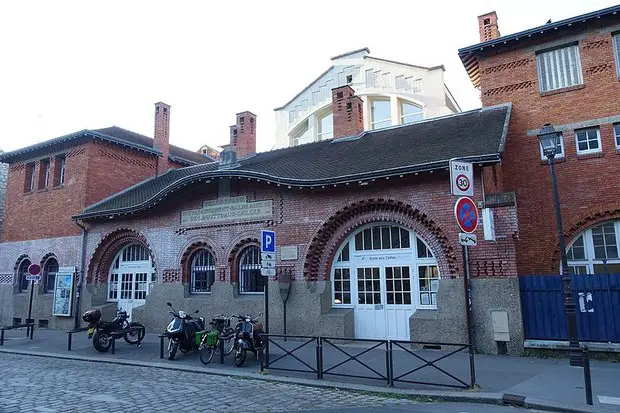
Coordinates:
288 252
461 178
229 209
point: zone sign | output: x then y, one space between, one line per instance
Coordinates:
461 178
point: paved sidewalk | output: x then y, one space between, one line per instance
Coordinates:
549 384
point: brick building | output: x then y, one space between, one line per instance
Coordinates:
565 73
50 182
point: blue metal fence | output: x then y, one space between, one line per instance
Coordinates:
597 300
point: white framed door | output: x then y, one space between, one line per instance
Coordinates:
129 279
370 308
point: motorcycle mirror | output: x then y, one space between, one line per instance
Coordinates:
169 305
195 311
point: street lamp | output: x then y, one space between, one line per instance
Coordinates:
549 140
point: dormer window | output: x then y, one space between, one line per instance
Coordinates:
410 112
301 134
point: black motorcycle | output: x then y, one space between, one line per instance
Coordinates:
247 338
181 332
100 331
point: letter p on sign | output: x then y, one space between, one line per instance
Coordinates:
268 241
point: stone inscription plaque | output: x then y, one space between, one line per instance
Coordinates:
233 209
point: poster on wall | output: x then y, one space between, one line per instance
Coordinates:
63 289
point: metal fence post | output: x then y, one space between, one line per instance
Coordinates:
586 374
389 363
319 358
220 345
472 366
161 347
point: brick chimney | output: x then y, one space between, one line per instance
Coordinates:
487 24
161 139
243 135
348 112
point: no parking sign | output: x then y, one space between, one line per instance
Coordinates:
466 214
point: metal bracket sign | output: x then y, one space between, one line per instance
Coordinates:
461 178
468 240
268 253
466 214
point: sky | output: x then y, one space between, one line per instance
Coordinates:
72 65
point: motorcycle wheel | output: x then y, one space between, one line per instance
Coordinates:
101 341
206 354
136 336
240 357
229 343
173 346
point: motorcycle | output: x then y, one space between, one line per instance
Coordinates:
182 331
247 338
100 331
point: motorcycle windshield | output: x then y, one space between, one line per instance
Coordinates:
244 328
175 325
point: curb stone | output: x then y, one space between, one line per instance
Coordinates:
433 395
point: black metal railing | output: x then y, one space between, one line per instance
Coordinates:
329 341
268 363
431 363
353 365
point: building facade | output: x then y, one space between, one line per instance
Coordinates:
50 182
564 73
392 93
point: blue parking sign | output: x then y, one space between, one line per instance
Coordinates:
268 241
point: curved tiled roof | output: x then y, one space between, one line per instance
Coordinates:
477 135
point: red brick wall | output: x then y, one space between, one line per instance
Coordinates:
94 171
46 213
583 182
299 215
347 111
112 169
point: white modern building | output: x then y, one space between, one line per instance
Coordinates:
393 93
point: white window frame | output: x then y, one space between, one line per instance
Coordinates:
352 265
616 42
320 134
299 131
402 116
588 243
374 121
557 155
598 138
616 127
558 80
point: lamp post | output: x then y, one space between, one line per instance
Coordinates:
549 140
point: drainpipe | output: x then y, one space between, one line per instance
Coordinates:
78 288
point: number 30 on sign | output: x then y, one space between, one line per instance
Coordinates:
461 178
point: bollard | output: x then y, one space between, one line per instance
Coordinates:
220 346
586 374
113 345
161 347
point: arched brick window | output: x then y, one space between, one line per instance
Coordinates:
202 271
596 250
22 272
250 278
50 268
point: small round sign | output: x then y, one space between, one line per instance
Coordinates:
466 214
462 182
34 269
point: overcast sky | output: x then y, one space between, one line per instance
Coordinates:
67 66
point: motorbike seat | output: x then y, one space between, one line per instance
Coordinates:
199 325
258 327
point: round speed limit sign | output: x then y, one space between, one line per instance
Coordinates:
462 182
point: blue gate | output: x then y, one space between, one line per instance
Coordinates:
597 302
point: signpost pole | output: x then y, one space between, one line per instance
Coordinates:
268 264
267 320
469 312
29 319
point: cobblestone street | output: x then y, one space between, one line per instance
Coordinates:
48 385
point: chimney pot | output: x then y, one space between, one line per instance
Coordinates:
487 26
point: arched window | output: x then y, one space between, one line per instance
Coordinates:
130 274
50 268
250 278
22 272
380 113
202 269
410 112
595 250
